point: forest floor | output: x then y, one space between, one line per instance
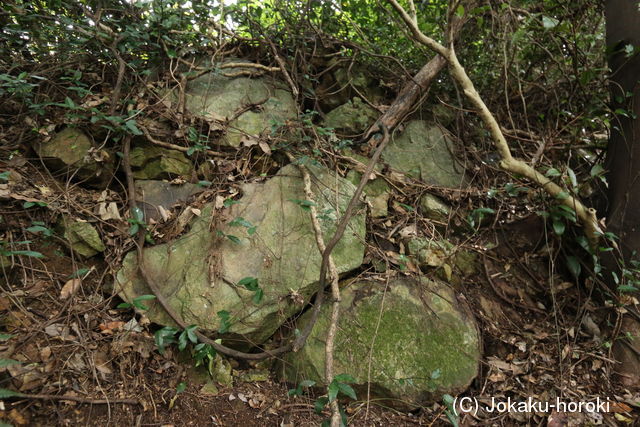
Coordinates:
540 338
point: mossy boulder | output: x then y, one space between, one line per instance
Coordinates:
352 118
215 96
199 272
377 192
153 162
412 339
424 152
70 152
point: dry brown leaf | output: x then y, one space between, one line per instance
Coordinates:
45 353
265 147
17 418
102 362
70 288
109 327
108 211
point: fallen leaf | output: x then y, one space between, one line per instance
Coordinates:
265 147
45 353
109 327
17 418
108 211
70 288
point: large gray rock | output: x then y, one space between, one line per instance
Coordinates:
71 152
424 152
199 272
215 96
414 341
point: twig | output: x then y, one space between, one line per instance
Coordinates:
283 69
75 399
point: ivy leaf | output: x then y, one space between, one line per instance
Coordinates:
191 333
574 266
257 297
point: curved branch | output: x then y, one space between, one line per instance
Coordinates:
587 216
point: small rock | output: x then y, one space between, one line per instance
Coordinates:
82 236
434 208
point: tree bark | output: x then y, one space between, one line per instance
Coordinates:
623 160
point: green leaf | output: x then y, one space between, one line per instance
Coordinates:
137 215
5 393
33 254
333 390
574 266
181 387
552 172
5 337
79 273
191 333
257 297
8 362
228 202
597 170
39 229
132 127
460 11
347 390
320 403
182 341
124 305
251 283
233 238
133 230
559 227
304 204
225 323
548 22
307 383
164 337
240 222
4 176
627 288
345 378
